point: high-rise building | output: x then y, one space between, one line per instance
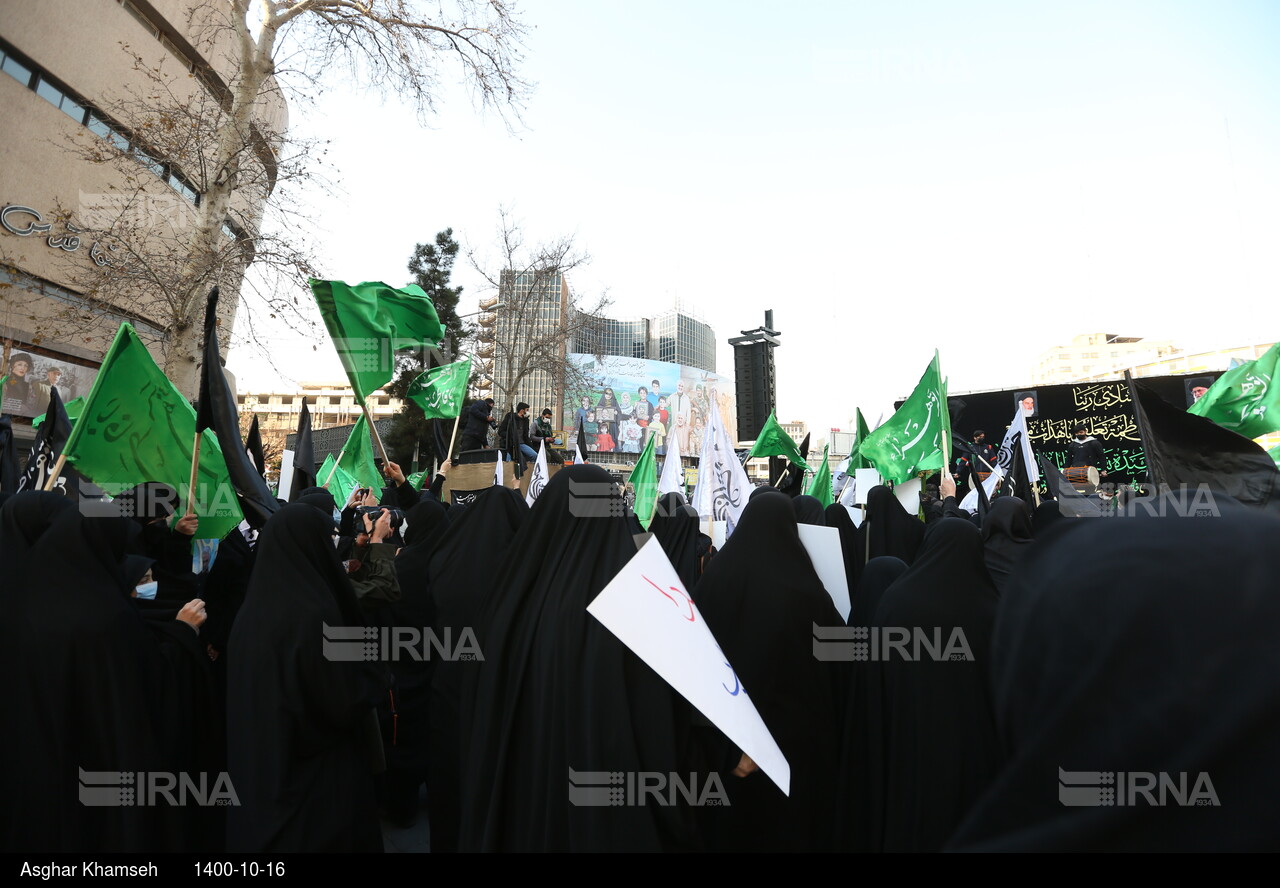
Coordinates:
1094 354
69 167
531 323
676 336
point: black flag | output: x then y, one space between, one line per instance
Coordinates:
253 446
1185 449
8 457
217 411
582 441
1071 503
792 483
52 437
304 456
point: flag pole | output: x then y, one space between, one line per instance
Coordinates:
56 472
195 471
377 439
448 453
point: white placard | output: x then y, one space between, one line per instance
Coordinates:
908 494
827 554
865 479
285 484
650 611
856 514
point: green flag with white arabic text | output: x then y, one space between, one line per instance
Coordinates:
912 439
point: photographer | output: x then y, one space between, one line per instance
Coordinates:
371 566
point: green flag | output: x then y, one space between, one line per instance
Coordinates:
370 322
860 434
135 427
441 391
417 479
1246 399
339 482
774 441
357 456
912 439
820 486
644 480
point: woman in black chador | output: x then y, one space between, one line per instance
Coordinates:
302 737
558 693
761 598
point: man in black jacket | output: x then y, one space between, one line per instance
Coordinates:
479 418
514 432
1085 450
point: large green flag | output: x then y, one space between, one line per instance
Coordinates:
820 486
774 441
1246 399
860 434
357 456
441 391
337 480
136 427
644 480
912 439
370 322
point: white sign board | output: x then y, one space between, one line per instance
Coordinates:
650 611
908 494
865 479
827 555
286 475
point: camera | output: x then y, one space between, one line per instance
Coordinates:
397 517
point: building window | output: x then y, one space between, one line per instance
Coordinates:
16 69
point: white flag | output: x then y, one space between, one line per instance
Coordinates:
1015 437
497 469
723 486
672 479
649 610
540 475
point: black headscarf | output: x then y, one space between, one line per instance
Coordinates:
24 518
860 800
298 720
888 529
558 691
1119 673
809 510
1045 516
761 599
1006 537
319 498
459 571
675 524
939 739
838 517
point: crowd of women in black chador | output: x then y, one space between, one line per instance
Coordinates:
1027 647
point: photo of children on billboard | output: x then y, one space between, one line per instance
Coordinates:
627 401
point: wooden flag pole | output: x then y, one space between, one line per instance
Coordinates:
377 439
56 473
449 453
195 471
334 470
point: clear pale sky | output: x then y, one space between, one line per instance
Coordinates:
990 179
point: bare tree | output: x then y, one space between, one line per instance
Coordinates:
217 132
535 319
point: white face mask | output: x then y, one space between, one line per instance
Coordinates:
147 590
